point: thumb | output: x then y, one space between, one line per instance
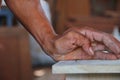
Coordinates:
86 46
88 49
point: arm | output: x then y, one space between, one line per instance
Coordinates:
71 45
31 15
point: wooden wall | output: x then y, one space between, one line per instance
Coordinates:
79 12
15 61
66 9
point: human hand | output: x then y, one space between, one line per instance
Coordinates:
103 41
72 45
66 46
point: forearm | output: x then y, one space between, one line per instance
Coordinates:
31 15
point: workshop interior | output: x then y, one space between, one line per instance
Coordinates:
22 58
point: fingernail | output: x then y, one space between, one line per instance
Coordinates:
91 51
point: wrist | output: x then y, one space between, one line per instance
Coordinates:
47 43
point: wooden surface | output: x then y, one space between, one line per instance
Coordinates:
15 61
87 66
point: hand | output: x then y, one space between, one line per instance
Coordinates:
66 46
71 40
109 43
72 45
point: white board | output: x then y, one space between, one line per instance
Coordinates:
86 67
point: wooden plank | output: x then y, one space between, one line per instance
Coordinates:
86 66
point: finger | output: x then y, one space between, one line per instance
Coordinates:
98 47
118 56
112 43
85 44
88 49
80 41
108 40
81 54
77 54
104 56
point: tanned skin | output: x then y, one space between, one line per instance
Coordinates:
73 44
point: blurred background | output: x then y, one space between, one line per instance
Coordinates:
22 58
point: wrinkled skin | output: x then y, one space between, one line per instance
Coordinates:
73 44
79 40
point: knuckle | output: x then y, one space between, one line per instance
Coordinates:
71 33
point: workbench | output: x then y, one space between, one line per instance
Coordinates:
88 69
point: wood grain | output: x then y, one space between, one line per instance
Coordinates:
15 62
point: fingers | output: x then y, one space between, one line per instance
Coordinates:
98 47
81 41
77 54
104 56
112 43
108 40
85 44
118 56
101 53
88 49
72 40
